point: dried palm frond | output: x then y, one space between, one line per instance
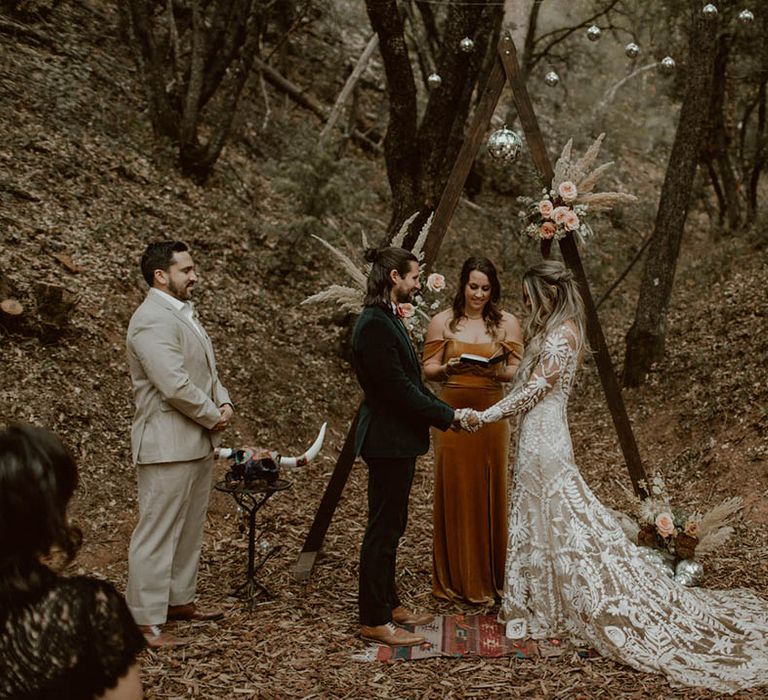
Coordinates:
589 182
397 241
714 539
417 247
347 264
717 516
584 163
601 201
562 165
364 240
347 298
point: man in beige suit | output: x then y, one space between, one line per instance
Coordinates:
181 409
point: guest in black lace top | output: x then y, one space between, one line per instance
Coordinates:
59 637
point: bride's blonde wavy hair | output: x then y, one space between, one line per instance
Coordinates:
555 298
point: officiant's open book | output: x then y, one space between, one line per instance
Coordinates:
471 359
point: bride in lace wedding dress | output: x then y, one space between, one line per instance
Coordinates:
571 572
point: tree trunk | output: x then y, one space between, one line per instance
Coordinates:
419 156
758 162
646 338
193 60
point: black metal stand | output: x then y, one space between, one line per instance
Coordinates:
251 501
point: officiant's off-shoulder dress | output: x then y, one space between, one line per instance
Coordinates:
470 493
571 572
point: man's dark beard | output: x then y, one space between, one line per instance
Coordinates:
405 297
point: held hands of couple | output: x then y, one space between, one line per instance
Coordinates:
471 420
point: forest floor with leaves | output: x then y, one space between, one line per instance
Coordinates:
83 189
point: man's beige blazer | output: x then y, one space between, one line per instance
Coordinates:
175 385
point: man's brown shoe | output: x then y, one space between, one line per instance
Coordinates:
190 611
157 638
390 635
402 616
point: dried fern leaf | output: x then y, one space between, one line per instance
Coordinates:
346 263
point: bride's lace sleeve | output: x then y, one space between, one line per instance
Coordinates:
559 347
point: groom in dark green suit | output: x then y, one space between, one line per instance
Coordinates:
392 430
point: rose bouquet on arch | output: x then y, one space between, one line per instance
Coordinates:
566 205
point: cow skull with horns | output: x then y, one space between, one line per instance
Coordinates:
250 465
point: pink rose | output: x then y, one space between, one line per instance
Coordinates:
691 528
436 282
567 190
571 220
545 208
665 524
547 229
559 214
407 309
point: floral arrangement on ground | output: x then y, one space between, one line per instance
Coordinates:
681 533
566 205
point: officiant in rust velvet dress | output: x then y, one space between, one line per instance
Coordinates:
470 500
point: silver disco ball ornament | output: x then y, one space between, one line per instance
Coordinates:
594 32
505 144
551 78
467 45
683 580
746 17
709 11
667 65
691 569
632 50
434 81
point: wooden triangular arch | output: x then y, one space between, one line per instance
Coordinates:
505 68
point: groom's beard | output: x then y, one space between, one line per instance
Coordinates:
405 297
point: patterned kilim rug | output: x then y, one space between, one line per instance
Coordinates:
466 635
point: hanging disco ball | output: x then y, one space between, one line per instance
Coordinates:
667 65
551 78
709 11
467 45
505 144
594 32
632 50
434 81
746 17
683 580
690 569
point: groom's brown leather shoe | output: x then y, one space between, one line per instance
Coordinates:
402 616
390 635
190 611
157 638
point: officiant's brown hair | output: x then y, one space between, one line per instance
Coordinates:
383 261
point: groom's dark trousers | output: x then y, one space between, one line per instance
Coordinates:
393 429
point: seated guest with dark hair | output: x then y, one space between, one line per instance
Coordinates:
61 637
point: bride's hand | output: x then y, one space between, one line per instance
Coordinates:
469 419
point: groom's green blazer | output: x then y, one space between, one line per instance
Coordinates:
398 409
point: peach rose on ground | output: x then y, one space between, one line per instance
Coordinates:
545 208
665 524
571 221
436 282
691 528
559 214
547 230
567 190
